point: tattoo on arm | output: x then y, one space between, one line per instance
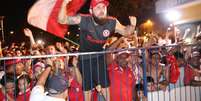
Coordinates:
72 20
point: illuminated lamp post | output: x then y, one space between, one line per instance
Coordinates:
148 25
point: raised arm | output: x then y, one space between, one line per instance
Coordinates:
126 30
63 18
43 77
76 71
29 34
115 44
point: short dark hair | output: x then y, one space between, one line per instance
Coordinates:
7 78
178 55
139 87
150 79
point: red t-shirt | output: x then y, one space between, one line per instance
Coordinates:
2 97
122 82
21 96
75 91
188 75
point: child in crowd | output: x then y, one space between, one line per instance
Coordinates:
8 89
140 94
24 88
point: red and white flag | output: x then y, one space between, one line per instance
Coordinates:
43 14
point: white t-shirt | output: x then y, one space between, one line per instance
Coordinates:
38 94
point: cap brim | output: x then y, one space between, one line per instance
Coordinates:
15 61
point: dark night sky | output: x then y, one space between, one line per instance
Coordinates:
15 12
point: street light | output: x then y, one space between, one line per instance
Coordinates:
149 22
148 25
40 42
11 32
172 15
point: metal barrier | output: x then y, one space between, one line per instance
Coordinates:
152 71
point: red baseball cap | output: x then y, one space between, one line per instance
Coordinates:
95 2
13 61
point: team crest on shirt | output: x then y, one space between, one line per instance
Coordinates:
106 33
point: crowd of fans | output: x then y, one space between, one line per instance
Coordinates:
166 68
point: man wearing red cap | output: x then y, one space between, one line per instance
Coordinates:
95 29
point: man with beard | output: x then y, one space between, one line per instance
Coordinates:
95 28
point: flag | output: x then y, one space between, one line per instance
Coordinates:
43 14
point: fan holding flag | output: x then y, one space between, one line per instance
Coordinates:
95 29
54 16
43 14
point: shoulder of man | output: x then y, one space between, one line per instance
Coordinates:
37 93
85 15
111 17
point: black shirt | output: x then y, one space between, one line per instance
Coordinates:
93 37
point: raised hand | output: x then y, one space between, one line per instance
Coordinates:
133 20
129 30
27 32
75 61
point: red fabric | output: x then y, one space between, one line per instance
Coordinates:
174 73
94 95
20 97
14 61
188 75
74 6
121 83
75 92
2 97
53 26
95 2
174 69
